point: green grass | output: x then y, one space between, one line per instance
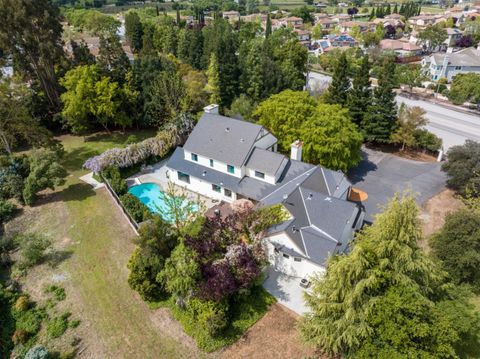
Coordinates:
242 316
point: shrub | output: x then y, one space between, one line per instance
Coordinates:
20 336
37 352
144 269
7 211
158 146
32 248
22 303
113 176
58 292
211 315
135 207
30 321
74 323
427 140
57 326
131 139
463 165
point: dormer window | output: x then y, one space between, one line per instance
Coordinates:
194 157
259 174
211 163
230 169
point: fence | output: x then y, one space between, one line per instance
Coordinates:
119 203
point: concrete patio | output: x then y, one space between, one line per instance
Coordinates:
286 290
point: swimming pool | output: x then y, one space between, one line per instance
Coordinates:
153 197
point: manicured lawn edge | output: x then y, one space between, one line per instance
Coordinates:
243 315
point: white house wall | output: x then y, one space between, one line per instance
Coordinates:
250 172
201 187
302 269
217 165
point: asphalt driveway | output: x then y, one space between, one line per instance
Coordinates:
382 174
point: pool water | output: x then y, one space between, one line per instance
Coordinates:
154 198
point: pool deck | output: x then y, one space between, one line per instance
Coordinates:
157 173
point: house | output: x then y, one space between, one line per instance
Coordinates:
450 64
453 36
291 21
228 159
319 16
422 21
348 26
327 24
231 16
339 18
342 40
404 51
303 37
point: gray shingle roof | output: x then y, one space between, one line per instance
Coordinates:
224 139
465 57
265 161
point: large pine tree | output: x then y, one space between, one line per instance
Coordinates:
386 298
337 92
359 97
380 120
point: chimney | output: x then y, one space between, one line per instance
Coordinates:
296 150
213 109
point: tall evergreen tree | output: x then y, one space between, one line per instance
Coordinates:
31 32
338 90
386 298
388 11
213 84
112 59
360 96
134 30
380 120
395 9
372 14
268 26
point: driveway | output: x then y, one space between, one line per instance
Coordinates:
286 290
382 174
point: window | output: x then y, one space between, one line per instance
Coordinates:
216 188
230 169
296 259
227 192
259 174
458 67
194 157
211 163
286 256
183 177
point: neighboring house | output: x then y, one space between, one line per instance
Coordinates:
449 65
231 16
339 18
362 26
343 40
228 159
453 36
404 51
303 37
389 22
327 24
319 47
319 16
291 21
422 21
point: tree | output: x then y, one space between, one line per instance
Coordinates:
268 26
463 167
134 30
331 139
168 93
92 99
181 272
16 123
465 88
457 245
112 59
284 114
44 172
338 90
386 298
31 32
359 97
410 120
304 13
155 243
432 37
81 54
242 106
165 35
410 75
213 83
380 120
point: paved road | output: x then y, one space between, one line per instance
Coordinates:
382 174
453 127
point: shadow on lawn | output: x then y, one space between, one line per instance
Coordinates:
73 160
77 192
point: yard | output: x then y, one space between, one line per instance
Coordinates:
94 243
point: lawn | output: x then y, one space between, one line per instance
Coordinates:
115 321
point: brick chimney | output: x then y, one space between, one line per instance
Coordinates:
213 109
296 150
